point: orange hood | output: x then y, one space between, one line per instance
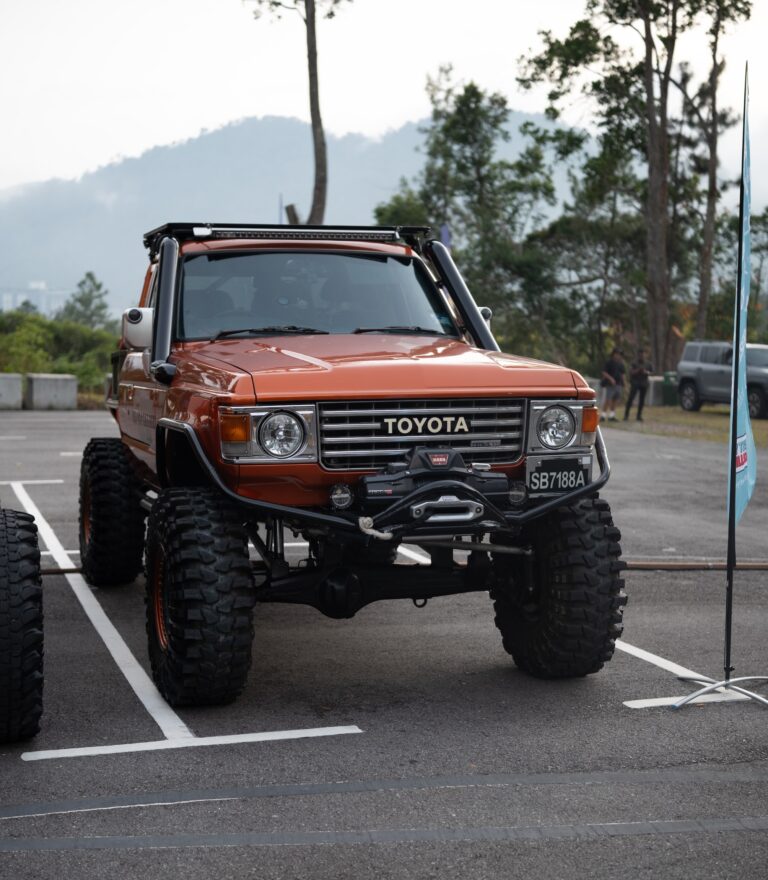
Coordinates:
372 365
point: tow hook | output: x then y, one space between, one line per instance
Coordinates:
365 523
420 603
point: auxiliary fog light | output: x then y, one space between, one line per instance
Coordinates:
342 496
556 427
517 494
281 435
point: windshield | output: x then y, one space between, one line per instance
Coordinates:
285 292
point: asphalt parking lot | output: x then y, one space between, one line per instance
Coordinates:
402 743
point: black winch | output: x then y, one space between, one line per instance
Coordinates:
427 465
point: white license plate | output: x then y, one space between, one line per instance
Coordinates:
547 475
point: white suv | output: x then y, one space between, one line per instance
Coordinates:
704 376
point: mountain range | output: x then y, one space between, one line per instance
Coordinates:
56 231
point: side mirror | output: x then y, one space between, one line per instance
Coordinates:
486 314
137 328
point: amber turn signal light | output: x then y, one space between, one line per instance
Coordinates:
235 428
589 419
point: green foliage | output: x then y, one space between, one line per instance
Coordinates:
26 343
278 7
405 208
621 56
34 344
88 306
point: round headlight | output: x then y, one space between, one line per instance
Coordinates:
281 434
556 427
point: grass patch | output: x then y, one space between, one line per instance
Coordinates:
712 423
90 400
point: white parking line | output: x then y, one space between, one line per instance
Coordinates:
166 719
675 669
178 735
413 554
190 742
72 454
727 697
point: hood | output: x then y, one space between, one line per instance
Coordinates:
374 365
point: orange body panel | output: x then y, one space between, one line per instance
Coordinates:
292 369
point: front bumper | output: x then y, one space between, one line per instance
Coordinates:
472 512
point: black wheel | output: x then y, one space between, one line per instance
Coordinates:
111 517
689 397
756 400
561 618
200 598
21 628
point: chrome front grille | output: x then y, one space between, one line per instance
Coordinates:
369 434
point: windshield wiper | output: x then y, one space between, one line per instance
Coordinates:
287 328
395 329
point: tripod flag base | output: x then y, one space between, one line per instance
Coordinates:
728 684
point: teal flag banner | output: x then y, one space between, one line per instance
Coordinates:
746 460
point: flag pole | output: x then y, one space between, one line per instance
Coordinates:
730 562
734 456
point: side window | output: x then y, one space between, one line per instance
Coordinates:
153 288
712 354
691 352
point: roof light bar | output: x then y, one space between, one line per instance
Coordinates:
412 235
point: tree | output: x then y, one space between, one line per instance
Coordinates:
88 306
307 9
705 117
632 92
27 340
35 344
490 204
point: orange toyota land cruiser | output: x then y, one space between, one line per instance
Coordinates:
340 383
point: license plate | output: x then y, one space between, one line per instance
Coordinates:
547 475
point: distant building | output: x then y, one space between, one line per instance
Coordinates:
46 301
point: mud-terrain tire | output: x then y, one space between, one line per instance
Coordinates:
200 598
111 516
688 394
21 628
568 625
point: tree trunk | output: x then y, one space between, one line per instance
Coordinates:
708 233
317 211
657 204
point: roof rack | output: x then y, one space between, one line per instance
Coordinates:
411 235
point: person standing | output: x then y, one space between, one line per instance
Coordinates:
639 372
613 381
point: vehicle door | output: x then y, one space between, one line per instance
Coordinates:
141 397
714 372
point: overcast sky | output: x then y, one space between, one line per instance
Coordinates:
86 82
